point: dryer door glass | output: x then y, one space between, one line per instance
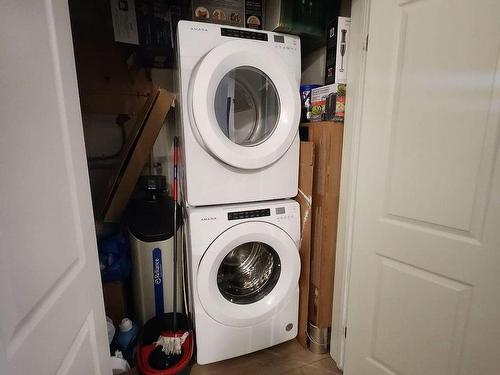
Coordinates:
248 273
247 106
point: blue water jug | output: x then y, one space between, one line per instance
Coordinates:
126 338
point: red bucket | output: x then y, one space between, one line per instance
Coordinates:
162 325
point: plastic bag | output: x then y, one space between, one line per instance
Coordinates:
114 258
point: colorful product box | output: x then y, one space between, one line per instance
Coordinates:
240 13
328 103
319 98
337 50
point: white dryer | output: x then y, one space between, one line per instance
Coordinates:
244 266
239 113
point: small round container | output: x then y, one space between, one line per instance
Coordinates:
318 339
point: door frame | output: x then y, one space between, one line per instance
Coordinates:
360 22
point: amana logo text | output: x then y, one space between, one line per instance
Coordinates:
208 218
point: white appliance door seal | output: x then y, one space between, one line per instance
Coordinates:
210 81
243 315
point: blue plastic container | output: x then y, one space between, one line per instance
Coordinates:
125 338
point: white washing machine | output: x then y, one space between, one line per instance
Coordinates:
239 113
244 266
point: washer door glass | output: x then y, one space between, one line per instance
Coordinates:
248 273
247 106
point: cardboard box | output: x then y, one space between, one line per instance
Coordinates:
320 96
254 14
304 198
239 13
327 139
134 155
124 21
336 111
337 50
328 103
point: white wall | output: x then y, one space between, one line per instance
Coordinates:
313 67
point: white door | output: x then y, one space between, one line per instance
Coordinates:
252 270
425 280
245 110
51 311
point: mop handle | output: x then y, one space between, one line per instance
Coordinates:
174 195
175 164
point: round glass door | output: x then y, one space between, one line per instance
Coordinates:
248 273
247 106
244 110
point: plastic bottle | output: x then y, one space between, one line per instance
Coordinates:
125 337
111 329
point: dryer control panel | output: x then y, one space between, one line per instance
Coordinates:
238 215
279 212
241 33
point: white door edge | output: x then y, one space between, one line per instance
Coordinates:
360 13
363 325
51 311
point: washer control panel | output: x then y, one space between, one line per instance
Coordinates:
238 215
237 33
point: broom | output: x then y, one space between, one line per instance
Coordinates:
171 342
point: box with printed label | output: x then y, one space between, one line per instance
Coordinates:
337 50
240 13
319 98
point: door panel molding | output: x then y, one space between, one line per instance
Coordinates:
390 320
45 303
468 220
85 342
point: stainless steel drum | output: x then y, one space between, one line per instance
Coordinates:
248 273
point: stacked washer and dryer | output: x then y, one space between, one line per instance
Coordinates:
239 109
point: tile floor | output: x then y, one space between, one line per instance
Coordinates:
289 358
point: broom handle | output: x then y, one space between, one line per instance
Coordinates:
174 195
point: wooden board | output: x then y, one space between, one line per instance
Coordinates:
327 139
306 169
135 154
